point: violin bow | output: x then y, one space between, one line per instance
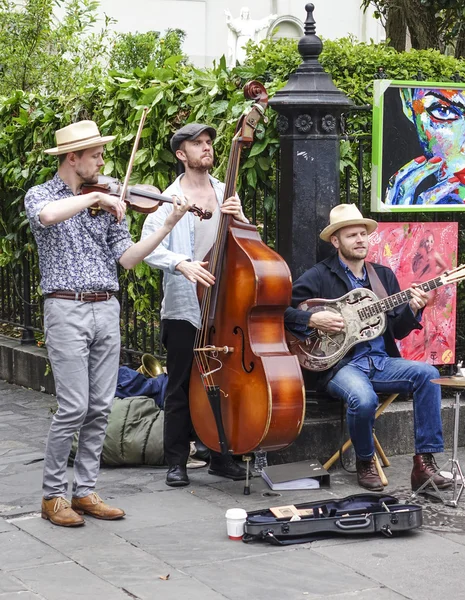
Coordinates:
124 189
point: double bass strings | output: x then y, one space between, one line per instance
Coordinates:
201 339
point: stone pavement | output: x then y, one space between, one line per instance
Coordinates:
173 545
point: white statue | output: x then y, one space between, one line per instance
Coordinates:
242 30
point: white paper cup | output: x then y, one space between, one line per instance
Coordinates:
235 519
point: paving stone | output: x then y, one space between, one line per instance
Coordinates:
159 508
187 588
68 581
4 526
196 542
67 539
125 567
182 532
8 583
18 549
20 596
421 565
381 593
282 576
22 458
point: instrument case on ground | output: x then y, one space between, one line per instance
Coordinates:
358 514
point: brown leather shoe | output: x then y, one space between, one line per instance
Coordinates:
367 475
424 467
94 506
59 512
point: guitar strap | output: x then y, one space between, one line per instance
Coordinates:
375 281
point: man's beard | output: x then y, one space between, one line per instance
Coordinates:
200 164
349 254
86 178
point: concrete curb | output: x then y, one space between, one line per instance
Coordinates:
25 365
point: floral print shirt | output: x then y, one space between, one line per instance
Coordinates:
79 254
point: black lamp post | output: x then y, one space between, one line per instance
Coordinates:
309 124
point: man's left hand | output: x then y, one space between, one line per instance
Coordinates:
419 299
232 206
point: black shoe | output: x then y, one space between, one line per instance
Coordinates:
177 476
201 451
226 466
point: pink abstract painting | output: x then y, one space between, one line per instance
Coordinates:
418 252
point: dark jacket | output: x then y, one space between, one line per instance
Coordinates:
328 280
132 383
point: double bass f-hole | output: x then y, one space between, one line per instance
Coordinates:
237 330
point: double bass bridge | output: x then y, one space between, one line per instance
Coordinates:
207 353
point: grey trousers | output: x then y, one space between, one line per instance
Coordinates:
83 343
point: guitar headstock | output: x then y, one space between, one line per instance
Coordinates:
453 275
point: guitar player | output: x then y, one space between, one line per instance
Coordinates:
373 366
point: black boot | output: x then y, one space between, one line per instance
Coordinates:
226 466
201 451
177 476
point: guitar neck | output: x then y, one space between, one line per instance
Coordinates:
395 300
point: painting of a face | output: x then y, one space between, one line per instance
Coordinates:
429 243
418 147
439 117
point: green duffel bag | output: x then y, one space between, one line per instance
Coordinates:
134 434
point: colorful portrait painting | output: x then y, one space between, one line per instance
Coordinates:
419 252
418 147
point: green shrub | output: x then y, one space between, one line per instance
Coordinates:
178 93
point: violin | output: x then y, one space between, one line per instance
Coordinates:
137 197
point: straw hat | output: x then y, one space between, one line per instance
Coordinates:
345 215
78 136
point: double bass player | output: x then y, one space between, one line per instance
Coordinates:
180 256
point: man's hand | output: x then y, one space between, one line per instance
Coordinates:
112 204
403 184
180 207
419 299
196 271
232 206
326 320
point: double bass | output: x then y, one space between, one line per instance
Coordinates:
246 389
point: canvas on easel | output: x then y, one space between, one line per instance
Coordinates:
418 252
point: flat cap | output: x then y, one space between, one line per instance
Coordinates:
190 132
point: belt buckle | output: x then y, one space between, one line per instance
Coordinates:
81 296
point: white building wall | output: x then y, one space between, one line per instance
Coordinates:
204 21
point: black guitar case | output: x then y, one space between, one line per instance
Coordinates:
358 514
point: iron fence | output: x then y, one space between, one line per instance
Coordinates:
21 303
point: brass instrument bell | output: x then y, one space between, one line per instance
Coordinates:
150 367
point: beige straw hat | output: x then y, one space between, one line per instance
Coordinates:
78 136
345 215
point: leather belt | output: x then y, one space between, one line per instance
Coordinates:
82 296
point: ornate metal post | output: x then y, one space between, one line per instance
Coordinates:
310 108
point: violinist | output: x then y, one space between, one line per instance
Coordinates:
78 255
181 256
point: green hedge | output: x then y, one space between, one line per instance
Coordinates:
176 94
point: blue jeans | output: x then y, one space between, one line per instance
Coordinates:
358 389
